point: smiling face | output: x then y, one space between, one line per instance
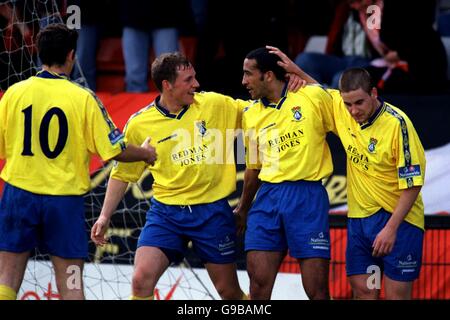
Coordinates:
254 80
360 104
183 88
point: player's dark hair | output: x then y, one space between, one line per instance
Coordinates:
166 67
354 79
266 61
54 42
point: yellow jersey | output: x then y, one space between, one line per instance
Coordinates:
384 157
195 149
49 127
286 140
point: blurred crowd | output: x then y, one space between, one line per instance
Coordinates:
403 49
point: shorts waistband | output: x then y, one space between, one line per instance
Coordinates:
297 182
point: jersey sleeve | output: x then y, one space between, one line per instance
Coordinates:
338 108
129 171
410 155
240 105
252 156
323 101
233 109
3 103
102 136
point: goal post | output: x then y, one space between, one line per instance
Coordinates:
108 271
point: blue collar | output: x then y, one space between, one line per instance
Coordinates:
375 116
50 75
166 112
278 105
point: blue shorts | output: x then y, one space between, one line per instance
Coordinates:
211 227
54 224
290 215
402 264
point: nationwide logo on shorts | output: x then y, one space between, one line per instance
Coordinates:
115 136
319 241
407 264
226 245
201 125
372 143
297 113
409 172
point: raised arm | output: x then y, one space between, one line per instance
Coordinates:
290 66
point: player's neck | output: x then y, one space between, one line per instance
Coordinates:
275 92
376 106
57 69
169 104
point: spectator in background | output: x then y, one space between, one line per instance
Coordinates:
350 43
199 12
96 20
408 30
443 18
306 19
16 44
143 20
232 29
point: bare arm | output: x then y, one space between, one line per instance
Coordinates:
114 193
290 67
251 186
385 240
295 82
134 153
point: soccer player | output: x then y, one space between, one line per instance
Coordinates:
287 157
193 176
385 173
49 126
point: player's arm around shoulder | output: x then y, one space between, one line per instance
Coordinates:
227 107
132 153
322 104
105 128
313 90
224 100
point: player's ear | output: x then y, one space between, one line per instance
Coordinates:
374 92
71 55
166 85
269 75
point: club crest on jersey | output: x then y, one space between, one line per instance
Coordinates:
201 125
297 113
372 143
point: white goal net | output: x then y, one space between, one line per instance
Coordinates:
108 271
